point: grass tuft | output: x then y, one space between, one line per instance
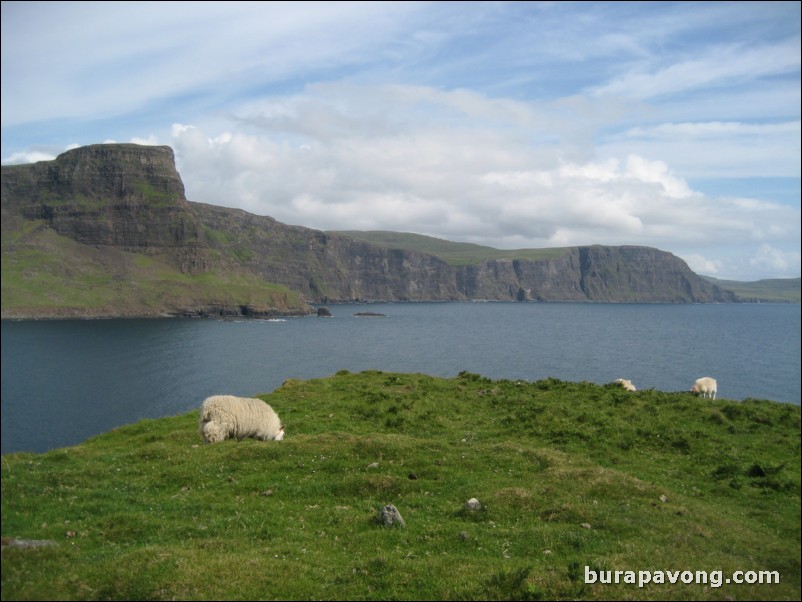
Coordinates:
568 475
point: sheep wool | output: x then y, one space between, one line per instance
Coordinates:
705 386
230 417
626 384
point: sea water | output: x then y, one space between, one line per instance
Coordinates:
66 380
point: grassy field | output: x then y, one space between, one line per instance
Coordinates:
773 290
51 274
453 253
571 477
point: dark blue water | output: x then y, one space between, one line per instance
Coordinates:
64 381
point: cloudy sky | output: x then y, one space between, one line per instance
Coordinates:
515 125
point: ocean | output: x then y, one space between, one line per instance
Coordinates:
64 381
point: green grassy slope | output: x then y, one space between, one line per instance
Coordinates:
453 253
787 290
48 275
569 475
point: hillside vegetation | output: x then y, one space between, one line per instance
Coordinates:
778 290
52 276
456 254
107 231
568 475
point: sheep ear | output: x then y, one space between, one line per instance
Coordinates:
282 427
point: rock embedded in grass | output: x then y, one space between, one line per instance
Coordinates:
473 504
389 516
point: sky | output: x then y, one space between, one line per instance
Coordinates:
674 125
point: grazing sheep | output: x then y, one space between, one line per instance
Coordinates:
705 386
627 384
230 417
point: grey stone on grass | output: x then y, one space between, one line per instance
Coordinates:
389 516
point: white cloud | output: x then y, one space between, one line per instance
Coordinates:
104 60
151 140
717 66
657 172
776 260
714 129
509 124
717 149
28 157
309 160
703 265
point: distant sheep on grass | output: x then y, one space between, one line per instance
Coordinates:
626 384
705 386
230 417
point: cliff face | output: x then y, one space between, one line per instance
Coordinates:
116 195
330 268
595 273
322 267
130 198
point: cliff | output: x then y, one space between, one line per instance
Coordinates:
114 218
593 273
326 267
123 195
332 267
105 230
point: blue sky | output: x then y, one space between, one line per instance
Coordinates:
515 125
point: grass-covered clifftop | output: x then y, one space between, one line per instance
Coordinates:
52 276
569 475
778 290
454 253
771 290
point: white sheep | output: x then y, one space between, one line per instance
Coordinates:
627 384
705 386
229 417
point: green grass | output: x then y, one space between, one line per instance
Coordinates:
55 274
454 253
782 290
569 475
